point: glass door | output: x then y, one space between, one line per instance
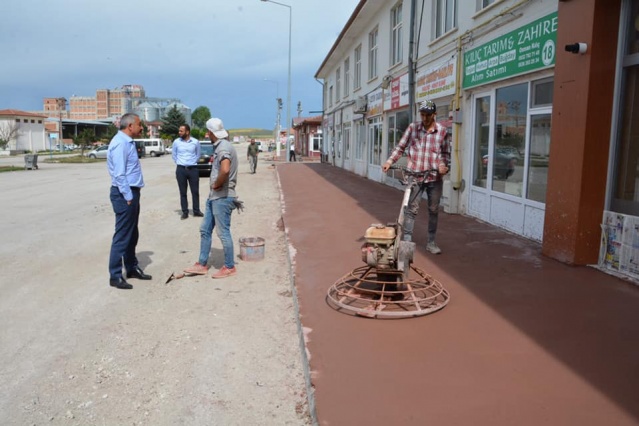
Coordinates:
481 159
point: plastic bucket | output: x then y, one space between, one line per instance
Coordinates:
252 248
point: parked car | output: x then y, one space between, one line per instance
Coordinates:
504 163
261 146
99 152
204 162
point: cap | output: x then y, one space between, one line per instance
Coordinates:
428 107
215 126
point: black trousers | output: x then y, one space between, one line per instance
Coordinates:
188 176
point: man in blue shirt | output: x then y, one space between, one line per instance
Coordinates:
185 153
126 182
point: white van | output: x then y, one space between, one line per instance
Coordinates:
153 147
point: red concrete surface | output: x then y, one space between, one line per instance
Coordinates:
525 340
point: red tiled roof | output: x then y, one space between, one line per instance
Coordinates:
17 112
298 121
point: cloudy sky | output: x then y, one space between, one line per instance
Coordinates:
215 53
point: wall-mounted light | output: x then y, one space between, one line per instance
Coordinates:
577 48
386 81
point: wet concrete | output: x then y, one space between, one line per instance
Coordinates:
525 340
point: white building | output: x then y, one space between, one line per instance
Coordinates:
487 64
29 134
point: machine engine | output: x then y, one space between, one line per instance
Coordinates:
378 250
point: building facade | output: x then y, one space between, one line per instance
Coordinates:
507 84
23 130
307 133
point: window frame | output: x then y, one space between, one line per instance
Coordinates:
441 16
396 39
357 82
373 50
347 76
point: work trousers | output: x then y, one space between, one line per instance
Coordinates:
434 193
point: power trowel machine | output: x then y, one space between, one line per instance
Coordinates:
384 287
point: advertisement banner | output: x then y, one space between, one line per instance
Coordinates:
529 48
435 82
397 94
375 103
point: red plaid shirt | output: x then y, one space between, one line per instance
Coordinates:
426 149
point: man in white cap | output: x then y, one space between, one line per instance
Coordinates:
220 203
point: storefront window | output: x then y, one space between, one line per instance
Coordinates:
360 140
510 139
539 154
482 128
347 141
397 125
375 141
633 29
626 180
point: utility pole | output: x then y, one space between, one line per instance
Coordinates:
411 62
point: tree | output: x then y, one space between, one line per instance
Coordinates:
8 131
200 116
84 139
198 134
171 123
108 135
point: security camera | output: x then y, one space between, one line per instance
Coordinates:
577 48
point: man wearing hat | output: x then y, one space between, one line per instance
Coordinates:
428 146
220 203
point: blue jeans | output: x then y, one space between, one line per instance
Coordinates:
125 237
434 194
217 216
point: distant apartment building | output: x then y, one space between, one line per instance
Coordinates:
55 107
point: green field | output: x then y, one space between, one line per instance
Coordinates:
251 133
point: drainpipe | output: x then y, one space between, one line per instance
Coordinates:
324 132
457 182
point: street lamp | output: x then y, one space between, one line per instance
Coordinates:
276 139
288 92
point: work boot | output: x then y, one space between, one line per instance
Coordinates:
197 269
224 272
433 248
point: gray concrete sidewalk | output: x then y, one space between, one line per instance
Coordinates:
525 340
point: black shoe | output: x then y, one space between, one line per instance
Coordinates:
198 214
138 273
120 283
184 216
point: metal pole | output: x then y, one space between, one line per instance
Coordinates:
276 139
411 63
288 94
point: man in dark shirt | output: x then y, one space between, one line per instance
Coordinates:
251 155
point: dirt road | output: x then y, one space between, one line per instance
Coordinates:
197 351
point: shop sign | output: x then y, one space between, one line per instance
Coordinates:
375 103
397 95
435 82
529 48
